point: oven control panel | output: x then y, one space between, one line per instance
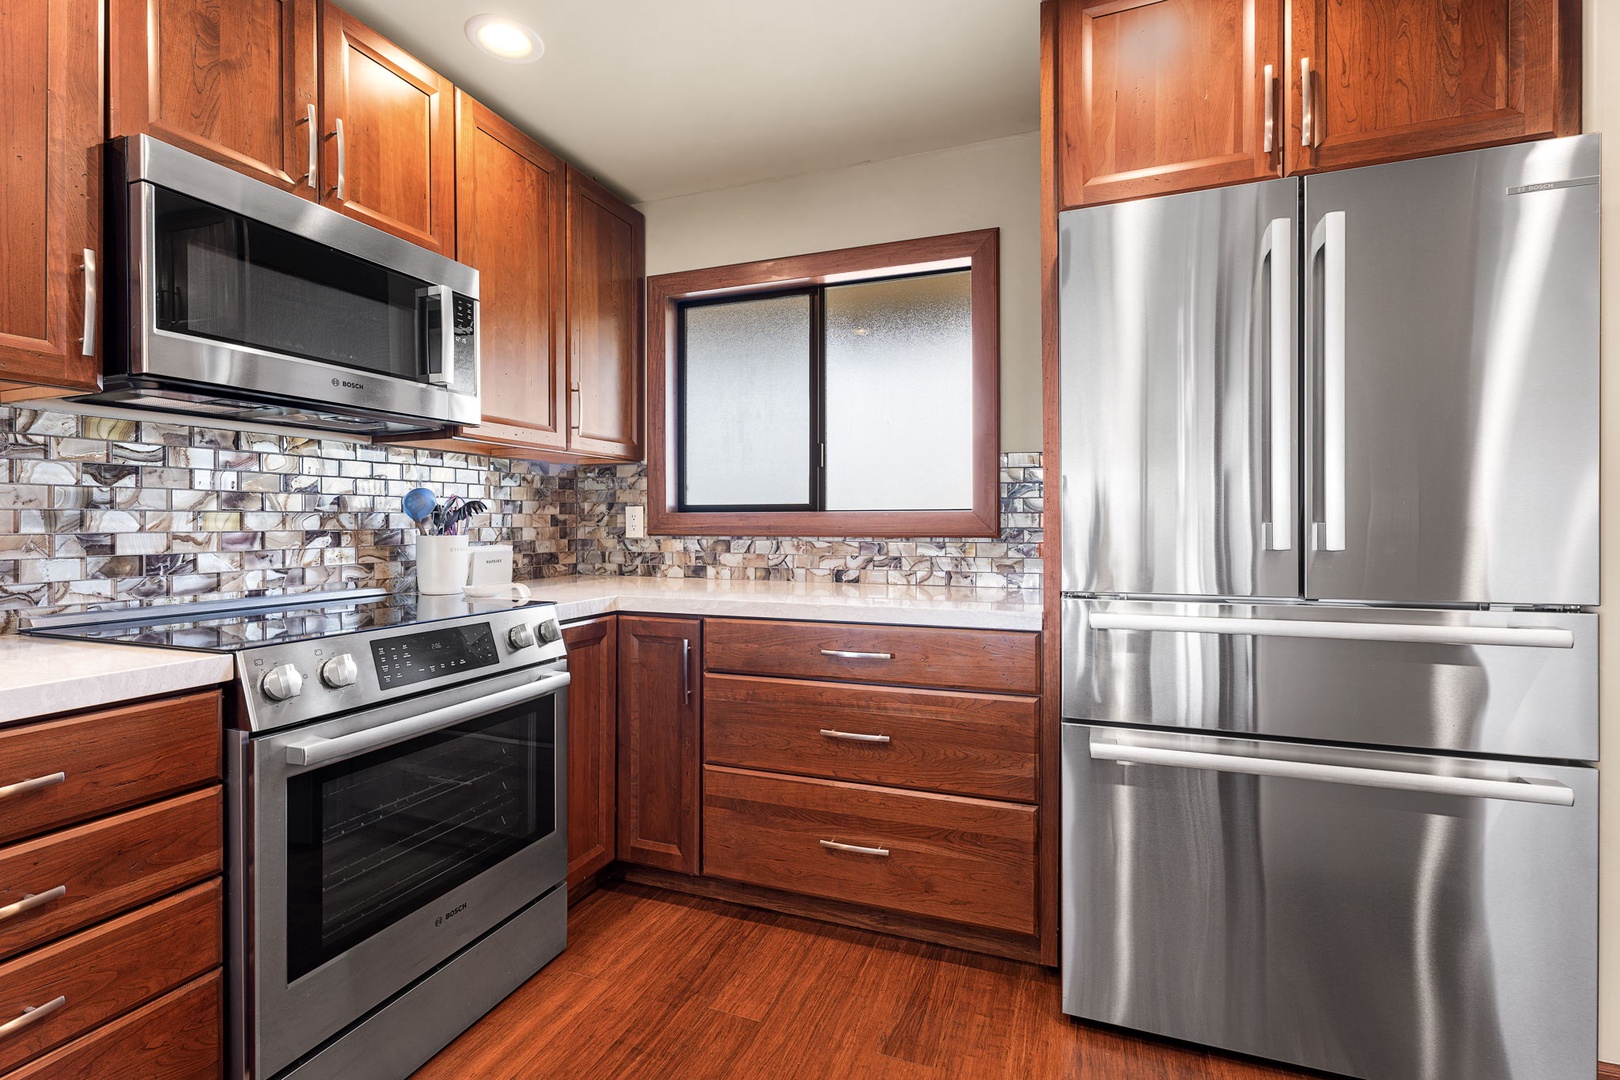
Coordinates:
428 654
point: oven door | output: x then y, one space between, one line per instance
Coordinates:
386 841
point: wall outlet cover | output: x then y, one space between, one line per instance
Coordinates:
635 522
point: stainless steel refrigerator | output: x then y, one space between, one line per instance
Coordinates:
1330 541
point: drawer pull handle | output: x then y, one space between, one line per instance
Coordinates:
31 1015
25 786
853 736
844 654
32 901
854 849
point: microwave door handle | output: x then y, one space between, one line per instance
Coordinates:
315 751
1515 789
438 372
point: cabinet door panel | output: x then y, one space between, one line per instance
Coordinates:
659 749
510 226
50 189
593 661
230 80
1404 78
606 286
1156 96
397 168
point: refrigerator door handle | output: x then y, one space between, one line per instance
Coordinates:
1277 531
1514 789
1531 637
1328 240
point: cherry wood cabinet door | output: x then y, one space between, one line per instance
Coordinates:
50 192
660 721
388 129
593 661
510 226
1404 78
607 278
1158 96
231 80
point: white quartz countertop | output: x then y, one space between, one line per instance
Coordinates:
906 605
40 676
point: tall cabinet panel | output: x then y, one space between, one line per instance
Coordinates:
660 753
231 80
593 662
50 191
607 279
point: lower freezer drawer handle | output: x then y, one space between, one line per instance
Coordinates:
1534 637
1521 789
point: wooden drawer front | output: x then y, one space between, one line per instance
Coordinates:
180 1036
938 740
109 866
966 860
106 971
111 759
1003 661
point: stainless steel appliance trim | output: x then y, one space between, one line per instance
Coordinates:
1515 789
855 849
32 901
323 751
194 610
1533 637
22 787
440 374
852 736
31 1015
845 654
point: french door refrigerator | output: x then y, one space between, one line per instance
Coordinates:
1330 520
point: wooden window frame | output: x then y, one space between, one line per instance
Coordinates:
977 251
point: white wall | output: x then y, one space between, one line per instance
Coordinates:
984 185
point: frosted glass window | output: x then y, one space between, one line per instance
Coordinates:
899 377
748 404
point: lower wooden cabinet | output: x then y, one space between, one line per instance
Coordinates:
180 1036
660 714
593 697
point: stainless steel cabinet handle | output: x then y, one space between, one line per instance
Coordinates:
31 1015
853 737
1328 239
1532 637
574 406
686 671
1307 121
314 144
844 654
1518 789
342 186
24 786
1268 82
1278 249
319 751
88 339
32 901
854 849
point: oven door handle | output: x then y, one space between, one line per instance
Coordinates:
317 751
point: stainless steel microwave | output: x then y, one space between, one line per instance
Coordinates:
233 299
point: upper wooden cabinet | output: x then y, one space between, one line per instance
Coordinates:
607 278
50 188
389 134
1148 97
233 82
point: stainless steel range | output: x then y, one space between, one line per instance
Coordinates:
397 836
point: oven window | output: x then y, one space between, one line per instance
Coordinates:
371 839
219 275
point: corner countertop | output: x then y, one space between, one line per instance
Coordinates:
581 597
42 676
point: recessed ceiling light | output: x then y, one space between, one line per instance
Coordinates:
505 39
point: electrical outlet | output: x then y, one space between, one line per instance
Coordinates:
635 522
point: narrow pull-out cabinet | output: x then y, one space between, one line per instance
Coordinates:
593 663
660 710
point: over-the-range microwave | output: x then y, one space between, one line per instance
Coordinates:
233 299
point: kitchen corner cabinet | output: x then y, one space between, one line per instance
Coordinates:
1154 97
607 280
388 135
593 663
660 715
232 82
50 185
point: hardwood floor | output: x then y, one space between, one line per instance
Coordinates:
655 984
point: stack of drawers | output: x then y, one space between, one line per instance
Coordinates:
111 839
891 767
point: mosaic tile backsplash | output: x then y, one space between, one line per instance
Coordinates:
96 510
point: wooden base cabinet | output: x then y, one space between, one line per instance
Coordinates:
593 663
660 716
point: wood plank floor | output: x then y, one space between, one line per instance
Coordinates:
654 984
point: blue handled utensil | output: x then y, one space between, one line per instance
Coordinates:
418 504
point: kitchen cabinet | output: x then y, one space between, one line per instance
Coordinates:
660 713
607 280
50 185
232 82
593 663
388 135
1149 97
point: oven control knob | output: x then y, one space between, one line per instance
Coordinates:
521 637
282 682
340 671
550 631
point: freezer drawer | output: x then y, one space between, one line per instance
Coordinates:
1508 683
1261 897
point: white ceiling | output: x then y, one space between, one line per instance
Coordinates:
659 98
